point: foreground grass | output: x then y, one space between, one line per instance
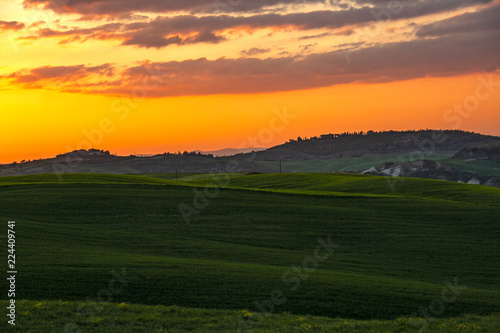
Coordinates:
72 317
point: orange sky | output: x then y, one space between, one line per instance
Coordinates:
221 79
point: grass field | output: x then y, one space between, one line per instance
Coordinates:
63 316
329 245
350 163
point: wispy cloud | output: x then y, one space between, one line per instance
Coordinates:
11 25
255 51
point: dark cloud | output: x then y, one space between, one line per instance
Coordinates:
405 2
122 8
446 56
103 32
126 8
451 54
11 25
163 31
473 22
149 38
205 36
60 74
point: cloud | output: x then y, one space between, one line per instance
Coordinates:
472 22
345 32
148 38
462 44
126 8
325 34
308 47
405 2
123 8
60 75
447 54
190 29
254 51
11 25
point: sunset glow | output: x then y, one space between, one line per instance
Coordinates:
151 77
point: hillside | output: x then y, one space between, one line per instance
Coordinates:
194 244
81 162
448 170
376 143
465 156
489 152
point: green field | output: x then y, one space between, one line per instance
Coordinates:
344 164
480 167
418 247
63 316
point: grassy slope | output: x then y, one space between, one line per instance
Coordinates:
348 163
60 316
360 185
396 248
480 167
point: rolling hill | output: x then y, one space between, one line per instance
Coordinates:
330 245
422 142
460 156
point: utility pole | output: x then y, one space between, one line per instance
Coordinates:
280 165
176 177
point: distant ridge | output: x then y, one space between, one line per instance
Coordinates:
461 156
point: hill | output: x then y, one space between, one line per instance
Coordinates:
376 143
332 245
448 170
347 152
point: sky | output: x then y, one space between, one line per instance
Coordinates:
148 76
